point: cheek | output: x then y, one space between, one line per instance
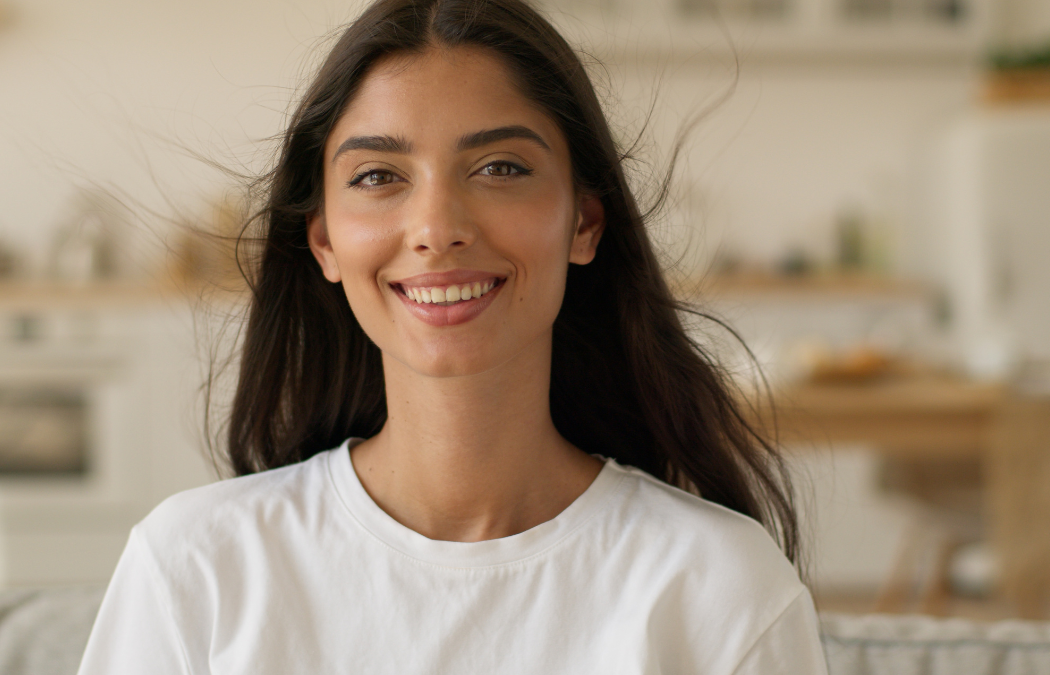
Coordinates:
536 238
362 244
541 231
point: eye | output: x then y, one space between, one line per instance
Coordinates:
372 178
504 170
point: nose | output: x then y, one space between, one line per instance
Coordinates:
438 220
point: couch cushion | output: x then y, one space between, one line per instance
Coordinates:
43 632
919 645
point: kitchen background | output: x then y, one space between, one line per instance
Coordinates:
865 196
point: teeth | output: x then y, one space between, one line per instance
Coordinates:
449 293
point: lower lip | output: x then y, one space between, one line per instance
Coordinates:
451 315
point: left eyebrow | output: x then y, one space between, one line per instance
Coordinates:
482 138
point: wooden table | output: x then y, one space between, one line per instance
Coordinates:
938 416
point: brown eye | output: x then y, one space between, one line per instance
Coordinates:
379 178
376 178
499 169
504 170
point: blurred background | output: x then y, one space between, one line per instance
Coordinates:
865 196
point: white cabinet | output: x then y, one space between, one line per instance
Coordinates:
136 372
989 204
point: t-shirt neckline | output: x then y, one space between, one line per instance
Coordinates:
515 548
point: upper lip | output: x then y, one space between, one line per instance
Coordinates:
449 278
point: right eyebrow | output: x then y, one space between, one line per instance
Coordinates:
393 144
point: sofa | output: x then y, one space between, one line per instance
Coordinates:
43 632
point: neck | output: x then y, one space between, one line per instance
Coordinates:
472 457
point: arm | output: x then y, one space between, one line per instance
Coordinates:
791 644
135 631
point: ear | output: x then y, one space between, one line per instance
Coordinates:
590 223
321 245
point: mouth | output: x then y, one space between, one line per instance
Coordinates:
448 295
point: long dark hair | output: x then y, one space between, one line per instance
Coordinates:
626 380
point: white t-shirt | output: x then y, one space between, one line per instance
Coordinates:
297 570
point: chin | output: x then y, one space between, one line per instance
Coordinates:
444 360
461 356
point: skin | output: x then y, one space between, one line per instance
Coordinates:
469 451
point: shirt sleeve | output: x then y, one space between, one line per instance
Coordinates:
791 645
135 631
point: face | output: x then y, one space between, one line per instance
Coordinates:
450 216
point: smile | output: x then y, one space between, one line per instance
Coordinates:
446 296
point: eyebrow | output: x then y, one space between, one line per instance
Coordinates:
482 138
393 144
398 145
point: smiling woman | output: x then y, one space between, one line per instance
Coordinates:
472 433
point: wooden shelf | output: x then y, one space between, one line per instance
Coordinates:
835 286
27 296
1018 86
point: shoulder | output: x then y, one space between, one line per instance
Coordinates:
207 553
729 555
717 581
238 509
702 526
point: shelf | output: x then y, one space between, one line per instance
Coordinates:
697 41
18 297
34 296
657 32
834 286
1021 86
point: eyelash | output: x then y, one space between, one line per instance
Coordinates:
519 170
356 181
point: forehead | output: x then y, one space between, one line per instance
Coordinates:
440 94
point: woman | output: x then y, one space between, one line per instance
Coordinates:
465 396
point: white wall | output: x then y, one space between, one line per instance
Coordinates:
1024 22
140 374
991 208
115 91
795 145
